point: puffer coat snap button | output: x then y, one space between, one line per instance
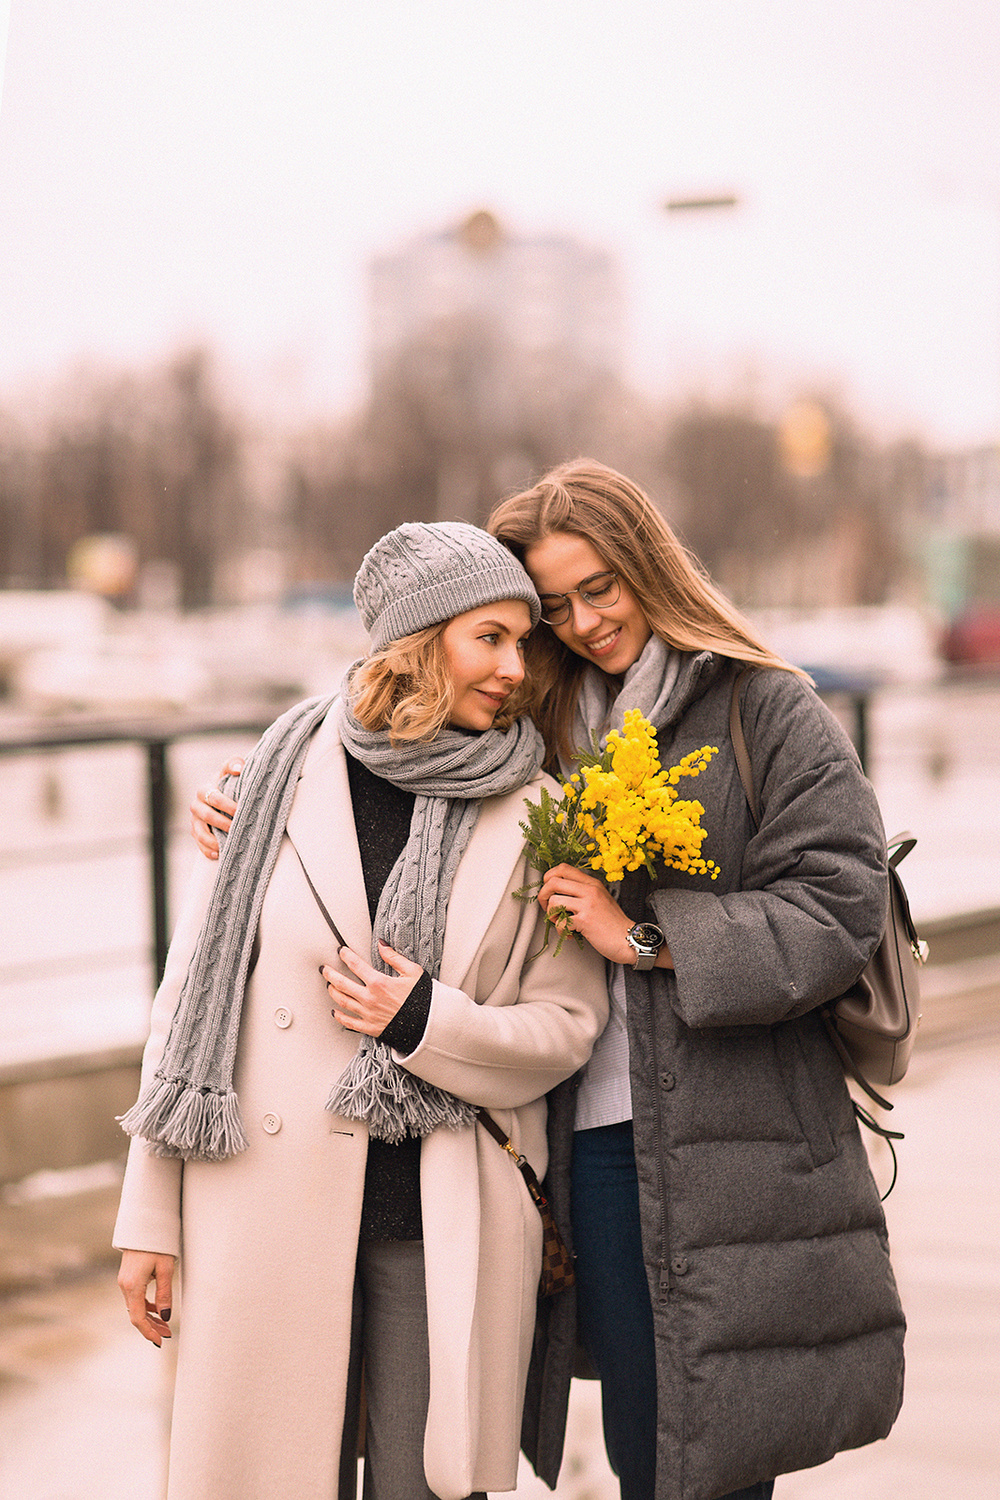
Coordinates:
679 1265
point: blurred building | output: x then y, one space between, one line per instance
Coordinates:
503 347
964 490
556 302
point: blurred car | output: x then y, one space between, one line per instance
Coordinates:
973 638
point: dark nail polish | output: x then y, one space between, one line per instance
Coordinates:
165 1314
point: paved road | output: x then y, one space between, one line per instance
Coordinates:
83 1400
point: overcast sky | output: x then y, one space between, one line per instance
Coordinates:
222 169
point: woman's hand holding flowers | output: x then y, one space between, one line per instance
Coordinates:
591 911
619 811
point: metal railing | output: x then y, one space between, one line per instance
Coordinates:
155 738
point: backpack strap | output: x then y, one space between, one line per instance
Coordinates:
900 847
853 1071
740 748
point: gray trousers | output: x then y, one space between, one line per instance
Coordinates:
389 1344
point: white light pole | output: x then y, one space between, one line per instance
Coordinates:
705 201
703 205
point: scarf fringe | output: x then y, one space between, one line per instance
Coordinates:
393 1103
177 1119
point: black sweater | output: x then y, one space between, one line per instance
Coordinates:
382 813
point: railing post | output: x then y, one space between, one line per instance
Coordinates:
861 729
159 802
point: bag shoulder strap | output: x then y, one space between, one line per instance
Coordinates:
341 940
740 747
899 848
521 1162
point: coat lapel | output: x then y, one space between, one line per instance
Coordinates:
321 826
481 883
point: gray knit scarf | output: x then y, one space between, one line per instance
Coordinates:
647 686
450 776
190 1108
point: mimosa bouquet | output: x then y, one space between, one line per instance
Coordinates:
619 811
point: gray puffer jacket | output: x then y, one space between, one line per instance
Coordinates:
779 1332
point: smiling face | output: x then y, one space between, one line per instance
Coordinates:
484 650
612 638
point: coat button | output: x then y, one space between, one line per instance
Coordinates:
282 1017
271 1123
679 1265
667 1080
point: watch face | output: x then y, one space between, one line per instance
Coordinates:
647 935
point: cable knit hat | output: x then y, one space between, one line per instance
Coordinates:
428 571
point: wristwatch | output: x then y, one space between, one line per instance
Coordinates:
647 940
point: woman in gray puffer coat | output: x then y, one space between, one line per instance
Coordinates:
734 1290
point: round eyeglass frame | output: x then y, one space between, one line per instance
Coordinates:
561 613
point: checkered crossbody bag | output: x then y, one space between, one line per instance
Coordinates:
557 1262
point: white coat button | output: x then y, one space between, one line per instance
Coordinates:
271 1123
282 1017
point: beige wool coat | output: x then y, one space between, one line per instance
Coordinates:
267 1239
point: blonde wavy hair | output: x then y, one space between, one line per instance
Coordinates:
407 689
683 606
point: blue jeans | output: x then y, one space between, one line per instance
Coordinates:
615 1319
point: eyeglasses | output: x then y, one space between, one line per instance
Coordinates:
600 591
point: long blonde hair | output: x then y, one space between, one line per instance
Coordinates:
407 689
682 605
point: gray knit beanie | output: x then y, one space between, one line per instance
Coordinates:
428 571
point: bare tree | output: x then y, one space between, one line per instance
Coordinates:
154 457
776 530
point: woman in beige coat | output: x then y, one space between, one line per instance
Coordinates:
311 1225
